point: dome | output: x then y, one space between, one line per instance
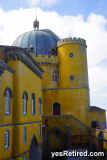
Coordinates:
43 41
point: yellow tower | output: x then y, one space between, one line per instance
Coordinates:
73 63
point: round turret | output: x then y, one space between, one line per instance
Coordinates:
73 63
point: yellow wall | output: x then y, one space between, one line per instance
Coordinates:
76 126
25 80
72 101
76 65
48 64
22 80
6 81
18 147
98 116
55 142
5 153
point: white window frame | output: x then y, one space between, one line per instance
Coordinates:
7 103
54 74
24 135
24 105
33 104
40 106
6 140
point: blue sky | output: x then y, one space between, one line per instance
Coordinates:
63 7
67 18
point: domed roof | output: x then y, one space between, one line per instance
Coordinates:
42 40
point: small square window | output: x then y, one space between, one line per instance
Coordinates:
56 134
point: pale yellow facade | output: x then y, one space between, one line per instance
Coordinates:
59 81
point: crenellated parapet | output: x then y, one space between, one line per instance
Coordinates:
46 60
71 40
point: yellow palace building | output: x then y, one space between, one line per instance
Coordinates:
45 98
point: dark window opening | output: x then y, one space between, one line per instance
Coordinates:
56 109
56 134
93 124
53 52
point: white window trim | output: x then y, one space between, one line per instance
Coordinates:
24 135
7 103
33 103
6 139
54 75
53 105
24 105
39 106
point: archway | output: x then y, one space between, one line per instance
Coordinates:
33 153
48 141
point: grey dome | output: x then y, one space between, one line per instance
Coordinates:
42 40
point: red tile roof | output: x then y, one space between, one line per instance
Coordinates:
94 108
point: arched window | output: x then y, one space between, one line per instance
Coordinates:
40 102
39 130
56 109
33 103
8 96
24 135
25 98
7 137
55 76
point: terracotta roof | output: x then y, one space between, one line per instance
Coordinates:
96 109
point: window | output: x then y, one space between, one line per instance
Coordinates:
6 139
25 98
8 96
56 109
39 130
56 134
43 130
24 135
7 103
40 152
71 78
71 55
40 102
25 157
55 76
33 103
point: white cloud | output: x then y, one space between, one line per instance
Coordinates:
43 3
13 23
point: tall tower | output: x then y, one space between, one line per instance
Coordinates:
73 63
73 78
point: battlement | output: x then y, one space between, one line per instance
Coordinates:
71 40
44 58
